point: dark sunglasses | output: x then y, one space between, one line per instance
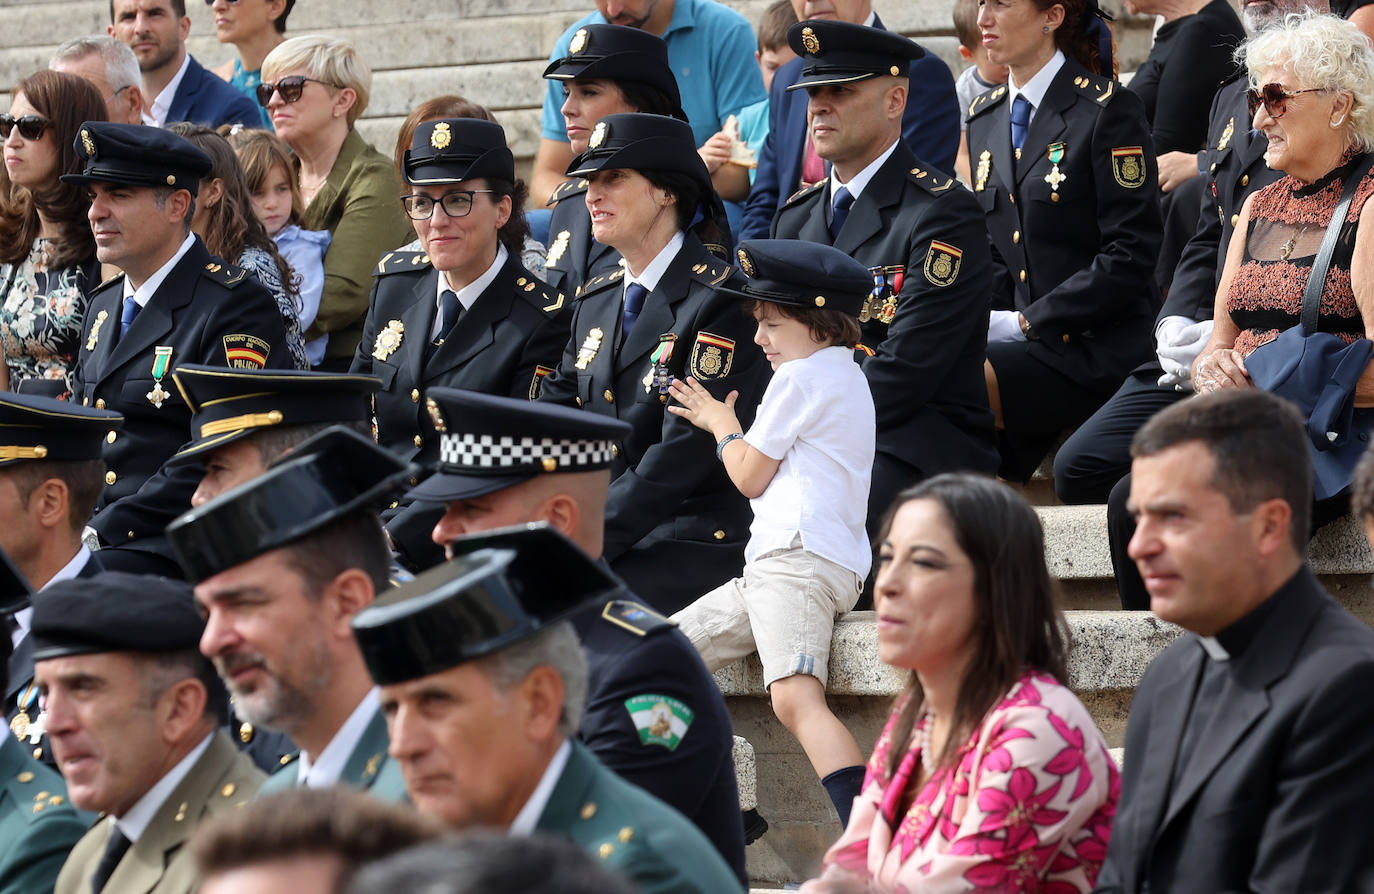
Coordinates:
31 127
1275 99
290 88
456 203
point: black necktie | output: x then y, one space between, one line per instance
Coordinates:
126 318
634 303
115 850
1020 120
843 200
450 309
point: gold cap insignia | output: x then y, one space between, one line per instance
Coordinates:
441 136
171 179
549 463
599 134
810 42
87 143
820 301
579 41
746 263
435 415
895 71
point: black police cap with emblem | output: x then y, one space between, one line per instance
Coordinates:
15 589
800 274
639 142
326 478
41 428
230 404
504 587
135 155
115 612
455 149
488 443
842 53
619 53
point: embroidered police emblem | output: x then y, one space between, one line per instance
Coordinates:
810 42
579 41
87 143
441 136
94 338
745 262
599 134
1227 134
591 345
942 263
711 356
560 245
1128 166
388 340
659 719
980 177
539 373
246 351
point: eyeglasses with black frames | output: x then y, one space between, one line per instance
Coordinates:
456 203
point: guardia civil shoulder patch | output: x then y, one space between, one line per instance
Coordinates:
942 263
246 351
1128 166
711 356
660 720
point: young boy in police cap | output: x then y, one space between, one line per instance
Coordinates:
173 303
804 464
482 682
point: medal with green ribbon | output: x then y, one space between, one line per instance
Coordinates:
1054 177
659 377
162 358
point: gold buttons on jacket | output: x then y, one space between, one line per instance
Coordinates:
615 450
579 400
588 810
1054 197
419 441
110 438
1235 219
100 403
1023 275
1066 338
245 732
1213 168
1245 180
415 395
111 477
719 535
1016 236
610 398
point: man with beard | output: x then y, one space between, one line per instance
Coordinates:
175 86
283 563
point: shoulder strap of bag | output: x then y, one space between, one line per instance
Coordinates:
1312 295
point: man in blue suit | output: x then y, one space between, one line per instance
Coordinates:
175 86
930 126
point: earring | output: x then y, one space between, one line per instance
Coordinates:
1046 29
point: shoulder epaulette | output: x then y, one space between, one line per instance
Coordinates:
635 617
401 262
573 186
226 274
539 293
1098 89
27 788
804 192
597 283
118 277
984 101
711 272
930 180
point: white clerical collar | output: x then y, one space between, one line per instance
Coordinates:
159 107
135 822
654 270
1036 88
24 617
144 293
528 817
325 770
860 180
1214 649
468 293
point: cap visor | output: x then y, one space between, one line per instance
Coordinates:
442 488
830 77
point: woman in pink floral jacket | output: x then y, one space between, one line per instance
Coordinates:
990 774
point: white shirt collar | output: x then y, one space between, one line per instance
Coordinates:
1214 649
528 817
144 293
325 770
1035 89
860 180
158 109
468 293
24 617
872 17
135 822
655 269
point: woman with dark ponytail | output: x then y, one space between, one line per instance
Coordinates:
1065 171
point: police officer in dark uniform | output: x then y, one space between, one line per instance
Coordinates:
174 303
922 238
671 504
505 461
464 311
628 70
1065 173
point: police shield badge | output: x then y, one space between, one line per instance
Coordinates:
243 351
1128 166
942 263
711 356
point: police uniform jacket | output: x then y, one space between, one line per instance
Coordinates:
1075 257
368 767
642 669
510 338
675 526
205 311
923 238
631 832
38 826
159 862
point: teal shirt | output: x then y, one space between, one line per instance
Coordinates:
38 826
368 767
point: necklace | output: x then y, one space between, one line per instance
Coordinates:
923 741
1287 247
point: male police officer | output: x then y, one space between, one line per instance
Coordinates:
923 239
505 461
173 303
282 564
482 684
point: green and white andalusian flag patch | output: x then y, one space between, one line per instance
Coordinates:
660 720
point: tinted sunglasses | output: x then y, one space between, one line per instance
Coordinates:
1275 99
290 88
31 127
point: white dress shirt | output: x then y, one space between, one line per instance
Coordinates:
468 293
325 770
528 817
144 293
135 821
159 107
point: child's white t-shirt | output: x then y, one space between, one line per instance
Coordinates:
817 417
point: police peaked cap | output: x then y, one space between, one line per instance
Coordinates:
641 142
800 274
619 53
451 150
43 428
842 53
137 155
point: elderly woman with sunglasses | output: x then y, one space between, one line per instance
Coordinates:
255 28
47 253
315 88
1312 97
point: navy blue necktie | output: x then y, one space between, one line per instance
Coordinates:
1020 120
449 311
126 318
634 303
843 200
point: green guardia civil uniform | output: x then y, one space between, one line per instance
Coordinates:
368 767
38 825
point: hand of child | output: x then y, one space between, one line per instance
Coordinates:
715 151
701 409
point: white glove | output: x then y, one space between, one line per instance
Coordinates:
1178 341
1005 325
